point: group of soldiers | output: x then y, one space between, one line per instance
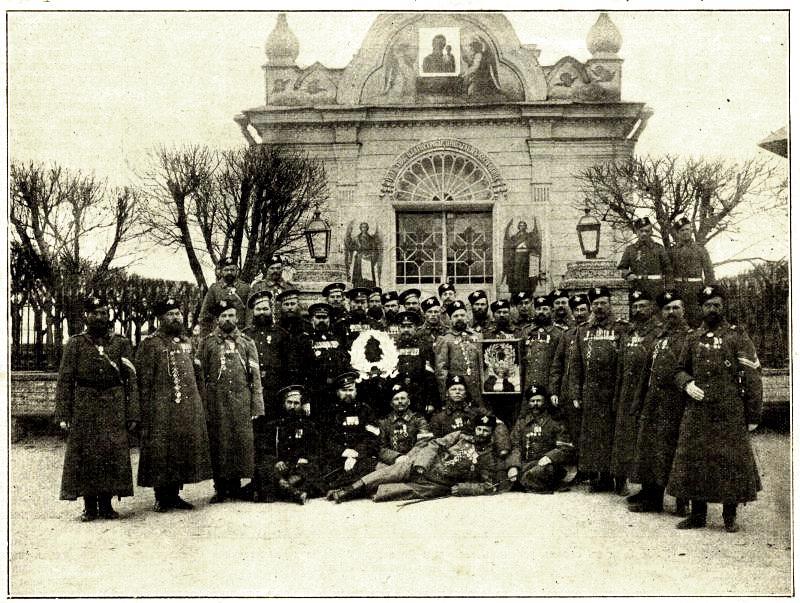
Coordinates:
267 391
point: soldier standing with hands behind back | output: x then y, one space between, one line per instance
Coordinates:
645 263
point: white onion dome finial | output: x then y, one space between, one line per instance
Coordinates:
604 39
282 46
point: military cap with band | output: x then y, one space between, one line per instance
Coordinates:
375 291
535 389
330 288
285 391
635 295
667 297
709 292
520 297
485 420
429 302
357 292
476 296
408 316
226 261
409 293
641 222
597 292
258 296
455 380
222 305
284 295
456 305
541 301
399 384
446 287
346 378
388 296
558 294
320 307
500 304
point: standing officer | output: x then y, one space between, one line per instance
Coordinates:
233 398
272 343
174 438
375 306
598 344
458 352
391 308
447 293
479 304
721 374
539 343
661 412
329 358
434 326
559 299
692 267
416 362
271 279
97 399
357 320
409 299
634 353
334 296
645 263
501 328
228 287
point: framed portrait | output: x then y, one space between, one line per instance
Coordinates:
501 366
439 51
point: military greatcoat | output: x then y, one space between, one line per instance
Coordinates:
460 354
564 384
174 439
97 395
714 459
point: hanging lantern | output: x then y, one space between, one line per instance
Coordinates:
589 235
318 237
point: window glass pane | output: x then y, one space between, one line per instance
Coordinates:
419 248
469 247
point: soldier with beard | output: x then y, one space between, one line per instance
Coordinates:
559 299
375 307
521 303
329 358
563 384
542 451
401 427
433 327
416 362
447 293
287 454
720 372
458 352
598 344
479 305
352 436
357 320
634 346
501 328
229 287
174 438
409 299
272 343
391 308
271 279
462 463
97 403
539 343
659 408
233 398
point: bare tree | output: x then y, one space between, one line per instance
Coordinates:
714 194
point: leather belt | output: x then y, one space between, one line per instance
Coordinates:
690 279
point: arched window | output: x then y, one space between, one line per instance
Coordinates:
443 176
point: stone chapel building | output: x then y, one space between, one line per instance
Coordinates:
449 149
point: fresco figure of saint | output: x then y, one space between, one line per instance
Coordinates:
364 256
481 80
522 252
399 72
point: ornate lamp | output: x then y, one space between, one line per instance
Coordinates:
318 237
589 235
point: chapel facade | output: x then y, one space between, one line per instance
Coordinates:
450 151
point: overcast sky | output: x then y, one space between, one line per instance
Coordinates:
96 91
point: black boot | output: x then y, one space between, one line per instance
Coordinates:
621 485
729 517
295 494
177 501
605 483
651 502
636 498
697 519
163 499
346 493
89 508
682 507
105 510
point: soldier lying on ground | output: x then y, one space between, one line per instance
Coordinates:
462 463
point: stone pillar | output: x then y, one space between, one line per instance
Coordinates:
585 274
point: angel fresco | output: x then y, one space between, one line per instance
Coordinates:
363 255
481 79
399 72
522 256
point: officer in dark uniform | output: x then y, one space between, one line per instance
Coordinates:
692 269
329 359
521 303
375 306
539 343
352 436
542 453
401 427
228 287
271 279
334 296
501 328
645 263
479 304
391 308
409 299
416 362
357 320
433 327
562 318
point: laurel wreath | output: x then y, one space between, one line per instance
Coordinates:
500 358
383 355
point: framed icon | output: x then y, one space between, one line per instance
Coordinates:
501 366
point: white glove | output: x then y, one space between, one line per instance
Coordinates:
64 425
554 400
694 392
306 406
302 461
752 426
513 472
350 453
349 464
545 460
576 403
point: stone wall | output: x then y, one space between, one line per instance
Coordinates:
33 394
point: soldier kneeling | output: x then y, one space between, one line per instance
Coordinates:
286 454
542 455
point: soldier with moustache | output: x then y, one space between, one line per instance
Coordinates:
645 264
329 358
447 293
458 352
559 299
416 363
174 437
357 320
402 426
521 303
564 388
479 304
539 343
409 299
271 279
634 353
391 308
659 408
334 297
434 326
720 372
233 399
229 288
598 353
692 268
375 307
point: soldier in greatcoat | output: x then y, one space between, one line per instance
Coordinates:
416 363
97 403
434 326
563 384
174 438
659 407
233 398
329 358
634 352
458 352
229 287
598 344
539 343
645 263
542 453
721 374
692 268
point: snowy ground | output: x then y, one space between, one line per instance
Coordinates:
571 543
